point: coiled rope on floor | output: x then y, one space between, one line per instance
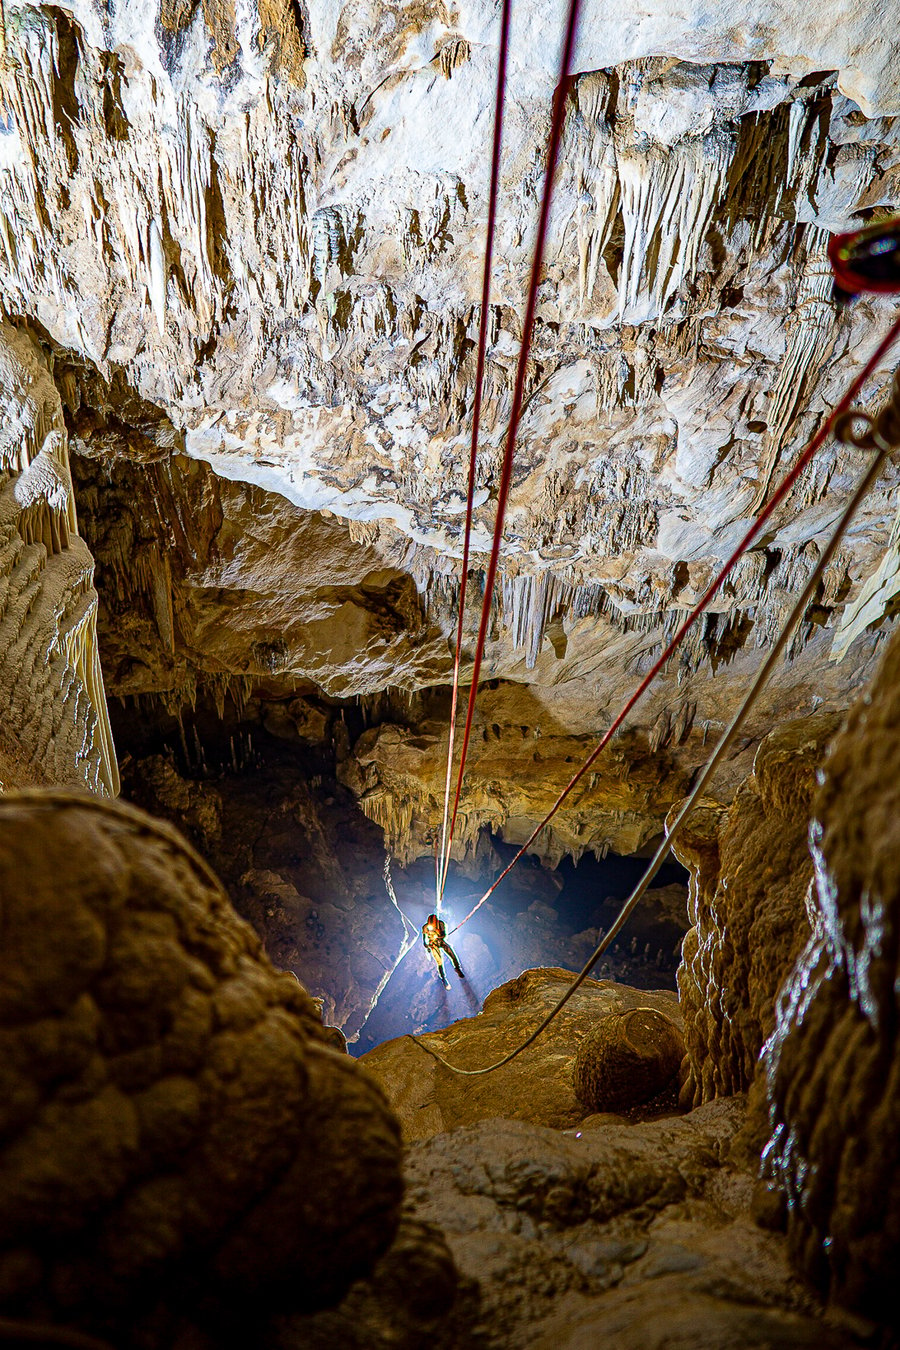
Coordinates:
556 128
883 435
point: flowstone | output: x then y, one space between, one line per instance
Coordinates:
750 875
833 1062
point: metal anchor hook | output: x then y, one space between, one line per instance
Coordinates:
881 432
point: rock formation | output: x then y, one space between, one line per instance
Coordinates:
252 240
179 1142
538 1088
633 1237
55 728
750 874
832 1063
630 1059
240 258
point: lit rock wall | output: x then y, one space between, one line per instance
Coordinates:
750 873
55 728
267 223
833 1061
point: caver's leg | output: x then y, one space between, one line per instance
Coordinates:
439 960
452 954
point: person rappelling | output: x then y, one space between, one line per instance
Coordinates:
434 939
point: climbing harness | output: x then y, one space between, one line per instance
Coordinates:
556 128
441 878
434 938
881 433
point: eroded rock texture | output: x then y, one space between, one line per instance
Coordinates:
633 1237
209 585
630 1059
538 1086
177 1141
253 235
833 1065
54 728
750 874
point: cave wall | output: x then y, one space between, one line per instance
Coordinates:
832 1064
55 728
209 585
748 903
181 1145
252 239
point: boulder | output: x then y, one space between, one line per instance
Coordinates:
631 1059
625 1236
537 1087
178 1139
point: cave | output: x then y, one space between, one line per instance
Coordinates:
448 798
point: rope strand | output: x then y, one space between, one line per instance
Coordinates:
556 127
777 498
441 878
750 699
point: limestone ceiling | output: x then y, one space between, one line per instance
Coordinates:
266 224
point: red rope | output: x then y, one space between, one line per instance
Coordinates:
556 127
476 417
779 496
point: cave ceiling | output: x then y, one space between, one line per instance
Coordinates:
248 237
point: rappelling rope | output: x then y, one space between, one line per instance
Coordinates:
408 926
556 128
441 878
775 501
809 592
884 435
410 934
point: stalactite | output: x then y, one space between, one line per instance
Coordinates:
668 199
810 337
589 152
876 599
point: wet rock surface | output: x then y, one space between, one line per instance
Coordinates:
750 876
833 1063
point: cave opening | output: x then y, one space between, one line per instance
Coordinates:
538 917
303 863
